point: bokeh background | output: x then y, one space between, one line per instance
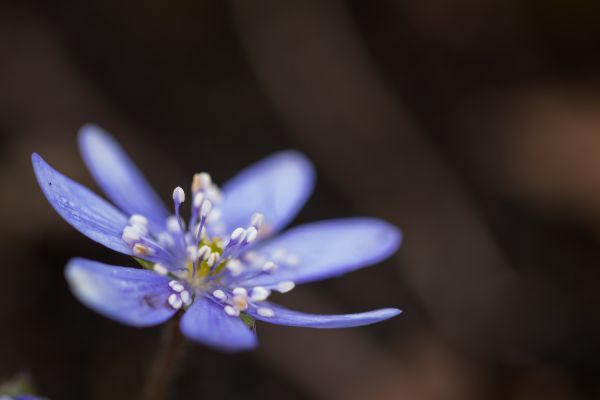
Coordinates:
472 124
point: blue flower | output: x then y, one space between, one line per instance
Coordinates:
219 267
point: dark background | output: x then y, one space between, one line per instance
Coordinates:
472 124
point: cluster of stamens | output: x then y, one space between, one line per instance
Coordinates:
239 300
180 296
200 260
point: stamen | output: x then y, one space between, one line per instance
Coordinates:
282 256
142 250
173 224
205 209
257 220
240 303
214 216
251 235
265 312
186 297
235 267
212 259
178 195
292 260
260 293
254 259
175 301
219 294
198 199
232 312
269 267
214 194
285 286
240 291
176 286
178 198
192 252
131 235
237 235
201 181
166 240
160 269
137 219
204 252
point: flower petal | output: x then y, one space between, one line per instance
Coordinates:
118 176
329 248
284 316
277 186
80 207
207 323
131 296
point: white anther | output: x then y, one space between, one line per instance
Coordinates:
137 219
131 235
259 293
192 252
219 294
204 252
257 220
240 303
265 312
254 259
198 199
269 267
205 208
279 254
285 286
173 224
175 301
160 269
251 235
240 291
142 250
235 267
196 183
201 181
165 239
176 286
214 216
238 235
292 260
186 297
213 259
232 312
214 194
251 256
178 195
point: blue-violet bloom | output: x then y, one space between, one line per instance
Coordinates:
220 266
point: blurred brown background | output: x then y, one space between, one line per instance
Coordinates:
472 124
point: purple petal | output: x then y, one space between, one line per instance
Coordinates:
283 316
277 186
131 296
207 323
329 248
118 176
80 207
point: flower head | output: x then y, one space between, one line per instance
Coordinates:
219 266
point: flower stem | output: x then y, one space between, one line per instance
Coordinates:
166 362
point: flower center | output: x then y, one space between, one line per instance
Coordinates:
200 259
